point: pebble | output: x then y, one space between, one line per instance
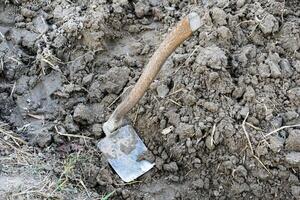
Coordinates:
27 13
276 143
293 158
171 167
83 114
273 62
185 130
290 115
263 70
218 16
249 95
286 68
210 106
209 143
269 24
294 95
297 65
293 141
97 129
162 91
296 191
141 9
244 111
198 184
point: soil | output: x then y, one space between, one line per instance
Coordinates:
207 119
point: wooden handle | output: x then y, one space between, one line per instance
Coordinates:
177 36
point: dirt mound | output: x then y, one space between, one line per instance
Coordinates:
221 120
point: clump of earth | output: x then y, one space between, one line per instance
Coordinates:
221 120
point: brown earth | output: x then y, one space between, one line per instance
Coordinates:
64 63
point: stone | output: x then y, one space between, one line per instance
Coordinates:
296 191
141 8
296 65
173 117
241 170
171 167
269 24
293 158
210 106
95 92
87 79
244 111
83 114
27 13
22 85
286 68
189 100
293 141
198 184
70 125
237 188
162 91
240 3
263 70
212 56
114 80
276 143
185 130
273 62
293 179
209 143
97 129
290 115
218 16
41 137
294 95
249 95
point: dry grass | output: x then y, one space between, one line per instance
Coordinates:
22 162
281 128
188 58
246 133
71 135
250 144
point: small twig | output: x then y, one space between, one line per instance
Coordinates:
2 64
246 133
177 91
83 185
260 162
174 102
212 135
41 117
13 89
186 59
1 34
13 59
254 127
15 148
11 136
281 128
31 192
116 99
71 135
55 67
136 114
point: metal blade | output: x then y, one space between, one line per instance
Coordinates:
122 150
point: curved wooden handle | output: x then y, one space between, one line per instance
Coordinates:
177 36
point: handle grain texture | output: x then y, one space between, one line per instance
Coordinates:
177 36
